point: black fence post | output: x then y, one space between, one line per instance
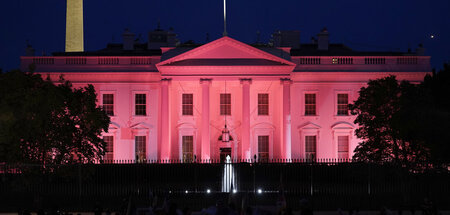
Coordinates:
368 179
254 174
312 180
79 180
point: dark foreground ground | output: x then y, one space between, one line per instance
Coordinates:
326 186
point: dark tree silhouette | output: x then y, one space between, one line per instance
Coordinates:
436 123
386 117
41 122
403 122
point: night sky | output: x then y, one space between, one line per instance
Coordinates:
381 25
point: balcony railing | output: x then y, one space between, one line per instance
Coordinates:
360 60
90 60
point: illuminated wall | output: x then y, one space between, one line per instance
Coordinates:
227 66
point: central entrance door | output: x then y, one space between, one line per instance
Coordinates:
224 152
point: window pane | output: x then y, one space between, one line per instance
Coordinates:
342 106
187 104
225 104
109 147
263 104
310 104
140 147
263 148
141 99
310 147
141 104
343 147
188 148
108 104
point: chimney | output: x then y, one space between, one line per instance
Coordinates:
420 51
128 40
29 51
161 38
74 26
286 39
276 39
322 40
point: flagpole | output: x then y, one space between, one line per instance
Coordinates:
225 18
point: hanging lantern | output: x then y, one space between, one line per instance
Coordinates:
225 134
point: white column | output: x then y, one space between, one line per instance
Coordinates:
206 140
286 146
245 136
165 128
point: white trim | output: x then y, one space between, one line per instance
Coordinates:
187 129
270 101
335 103
302 99
141 129
309 129
114 92
194 100
342 129
262 129
147 103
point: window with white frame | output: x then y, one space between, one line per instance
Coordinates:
310 104
188 148
140 147
342 104
187 101
263 104
108 104
310 147
109 148
343 147
140 104
263 148
225 104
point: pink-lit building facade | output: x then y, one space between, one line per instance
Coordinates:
285 100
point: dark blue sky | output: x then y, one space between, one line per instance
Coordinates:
379 25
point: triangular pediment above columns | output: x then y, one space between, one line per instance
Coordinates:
225 56
308 125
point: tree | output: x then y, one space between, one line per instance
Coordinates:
387 119
437 122
403 122
41 122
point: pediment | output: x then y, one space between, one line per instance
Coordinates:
342 125
140 126
225 53
308 125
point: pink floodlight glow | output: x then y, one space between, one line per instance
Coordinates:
280 108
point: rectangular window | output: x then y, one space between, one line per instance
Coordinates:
310 147
109 148
342 147
188 148
263 148
108 104
141 104
225 104
263 104
140 147
187 104
310 104
342 104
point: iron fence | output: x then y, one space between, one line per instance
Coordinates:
329 182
